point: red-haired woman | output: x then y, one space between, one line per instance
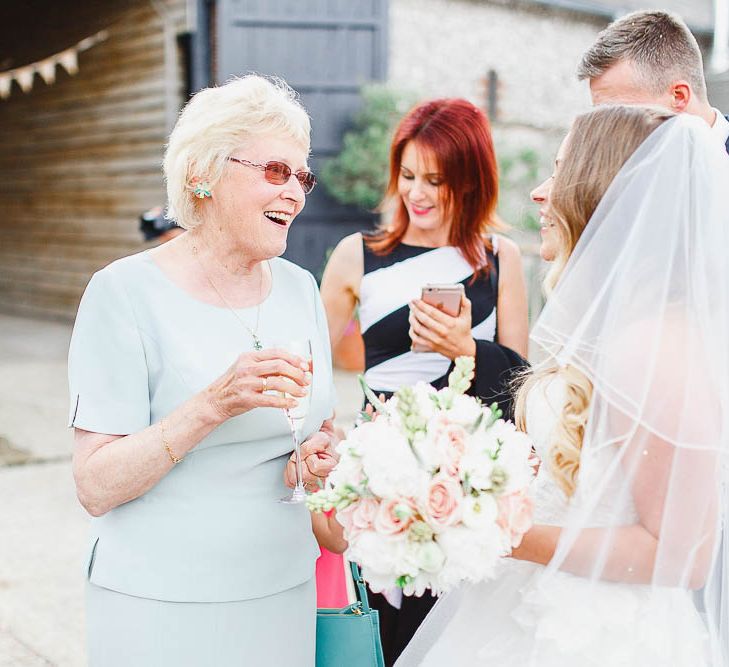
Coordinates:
443 187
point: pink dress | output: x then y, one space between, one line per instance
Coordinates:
331 586
331 589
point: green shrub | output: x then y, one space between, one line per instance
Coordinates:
518 175
359 174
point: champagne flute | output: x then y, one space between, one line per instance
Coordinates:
296 416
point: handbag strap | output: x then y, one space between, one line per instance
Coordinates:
361 588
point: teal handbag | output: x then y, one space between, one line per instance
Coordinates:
349 636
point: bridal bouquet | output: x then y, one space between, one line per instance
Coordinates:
433 490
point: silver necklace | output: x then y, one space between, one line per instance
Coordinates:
257 345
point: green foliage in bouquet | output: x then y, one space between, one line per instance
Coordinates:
332 499
459 381
462 375
358 175
412 420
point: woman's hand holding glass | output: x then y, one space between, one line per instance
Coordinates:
271 378
432 330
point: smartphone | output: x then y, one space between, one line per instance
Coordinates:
444 297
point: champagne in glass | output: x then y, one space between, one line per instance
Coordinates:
296 416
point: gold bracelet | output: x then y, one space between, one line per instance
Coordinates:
166 445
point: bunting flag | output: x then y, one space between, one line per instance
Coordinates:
46 68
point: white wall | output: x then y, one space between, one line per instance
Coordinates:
445 48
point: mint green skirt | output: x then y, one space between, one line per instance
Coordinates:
277 631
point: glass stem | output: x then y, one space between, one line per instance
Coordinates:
299 463
297 453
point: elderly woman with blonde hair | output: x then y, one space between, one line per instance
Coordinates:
179 395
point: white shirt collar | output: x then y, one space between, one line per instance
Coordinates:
721 126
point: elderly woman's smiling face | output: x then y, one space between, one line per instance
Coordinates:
256 213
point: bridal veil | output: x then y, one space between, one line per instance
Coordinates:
642 310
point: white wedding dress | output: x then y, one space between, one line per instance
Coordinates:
518 620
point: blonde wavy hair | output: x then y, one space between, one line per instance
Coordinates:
215 123
598 145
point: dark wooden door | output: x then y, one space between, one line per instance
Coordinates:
324 49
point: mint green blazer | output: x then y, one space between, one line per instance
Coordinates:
211 529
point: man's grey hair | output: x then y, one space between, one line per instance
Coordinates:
658 44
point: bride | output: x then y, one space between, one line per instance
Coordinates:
629 413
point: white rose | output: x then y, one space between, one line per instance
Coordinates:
423 396
514 458
427 450
350 444
470 555
430 556
465 410
378 581
476 466
480 513
407 560
419 585
507 432
379 553
389 464
446 443
347 471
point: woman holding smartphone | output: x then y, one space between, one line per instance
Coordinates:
443 190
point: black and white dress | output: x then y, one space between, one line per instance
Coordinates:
389 283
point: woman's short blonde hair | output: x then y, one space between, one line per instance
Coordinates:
214 123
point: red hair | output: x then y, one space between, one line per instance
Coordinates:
458 135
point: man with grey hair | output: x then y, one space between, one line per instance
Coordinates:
651 57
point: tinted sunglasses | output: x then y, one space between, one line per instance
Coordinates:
279 173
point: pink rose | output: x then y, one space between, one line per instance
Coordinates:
452 445
364 513
394 516
444 501
358 517
345 517
515 515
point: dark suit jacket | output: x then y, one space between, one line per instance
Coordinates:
496 368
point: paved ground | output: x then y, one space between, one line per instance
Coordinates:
43 530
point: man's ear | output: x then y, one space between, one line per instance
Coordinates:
681 94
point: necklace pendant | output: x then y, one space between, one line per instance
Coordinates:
257 345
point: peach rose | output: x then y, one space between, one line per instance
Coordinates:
365 513
452 443
444 501
394 516
345 517
358 516
515 515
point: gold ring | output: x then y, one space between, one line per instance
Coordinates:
265 385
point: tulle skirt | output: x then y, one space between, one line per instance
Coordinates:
566 622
